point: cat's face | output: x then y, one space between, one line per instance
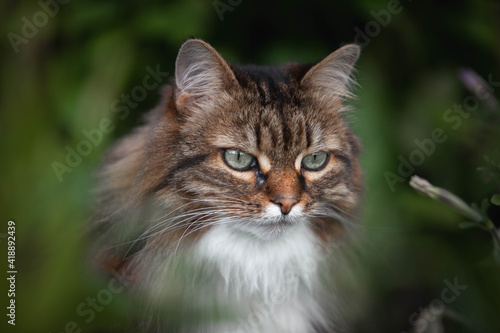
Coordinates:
262 150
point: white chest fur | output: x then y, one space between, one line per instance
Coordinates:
273 282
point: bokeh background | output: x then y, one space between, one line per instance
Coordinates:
420 59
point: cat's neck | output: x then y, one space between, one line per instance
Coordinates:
249 265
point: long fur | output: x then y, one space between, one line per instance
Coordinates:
181 226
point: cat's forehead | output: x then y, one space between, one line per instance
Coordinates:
279 132
270 115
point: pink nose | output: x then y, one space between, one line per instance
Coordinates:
285 204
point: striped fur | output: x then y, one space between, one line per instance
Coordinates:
169 206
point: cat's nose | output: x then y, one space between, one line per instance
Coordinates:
285 203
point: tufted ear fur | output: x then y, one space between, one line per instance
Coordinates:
201 75
330 79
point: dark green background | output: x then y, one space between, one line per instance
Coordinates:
67 76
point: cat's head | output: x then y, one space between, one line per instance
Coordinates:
260 149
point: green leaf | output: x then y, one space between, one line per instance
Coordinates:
495 199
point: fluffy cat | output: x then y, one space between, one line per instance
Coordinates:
231 198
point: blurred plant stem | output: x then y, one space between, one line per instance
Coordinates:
480 220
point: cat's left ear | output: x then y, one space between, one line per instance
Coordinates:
331 77
201 75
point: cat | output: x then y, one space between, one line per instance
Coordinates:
230 200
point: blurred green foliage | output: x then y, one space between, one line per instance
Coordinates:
66 77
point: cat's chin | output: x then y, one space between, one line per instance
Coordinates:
268 230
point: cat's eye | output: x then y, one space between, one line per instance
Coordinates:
238 160
315 161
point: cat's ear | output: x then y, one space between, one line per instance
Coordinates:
331 77
201 75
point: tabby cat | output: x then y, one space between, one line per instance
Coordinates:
224 207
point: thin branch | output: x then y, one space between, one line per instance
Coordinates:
437 193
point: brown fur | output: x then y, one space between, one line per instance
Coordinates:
174 159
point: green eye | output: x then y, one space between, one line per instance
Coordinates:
315 161
238 160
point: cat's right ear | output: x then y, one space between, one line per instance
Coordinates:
201 75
